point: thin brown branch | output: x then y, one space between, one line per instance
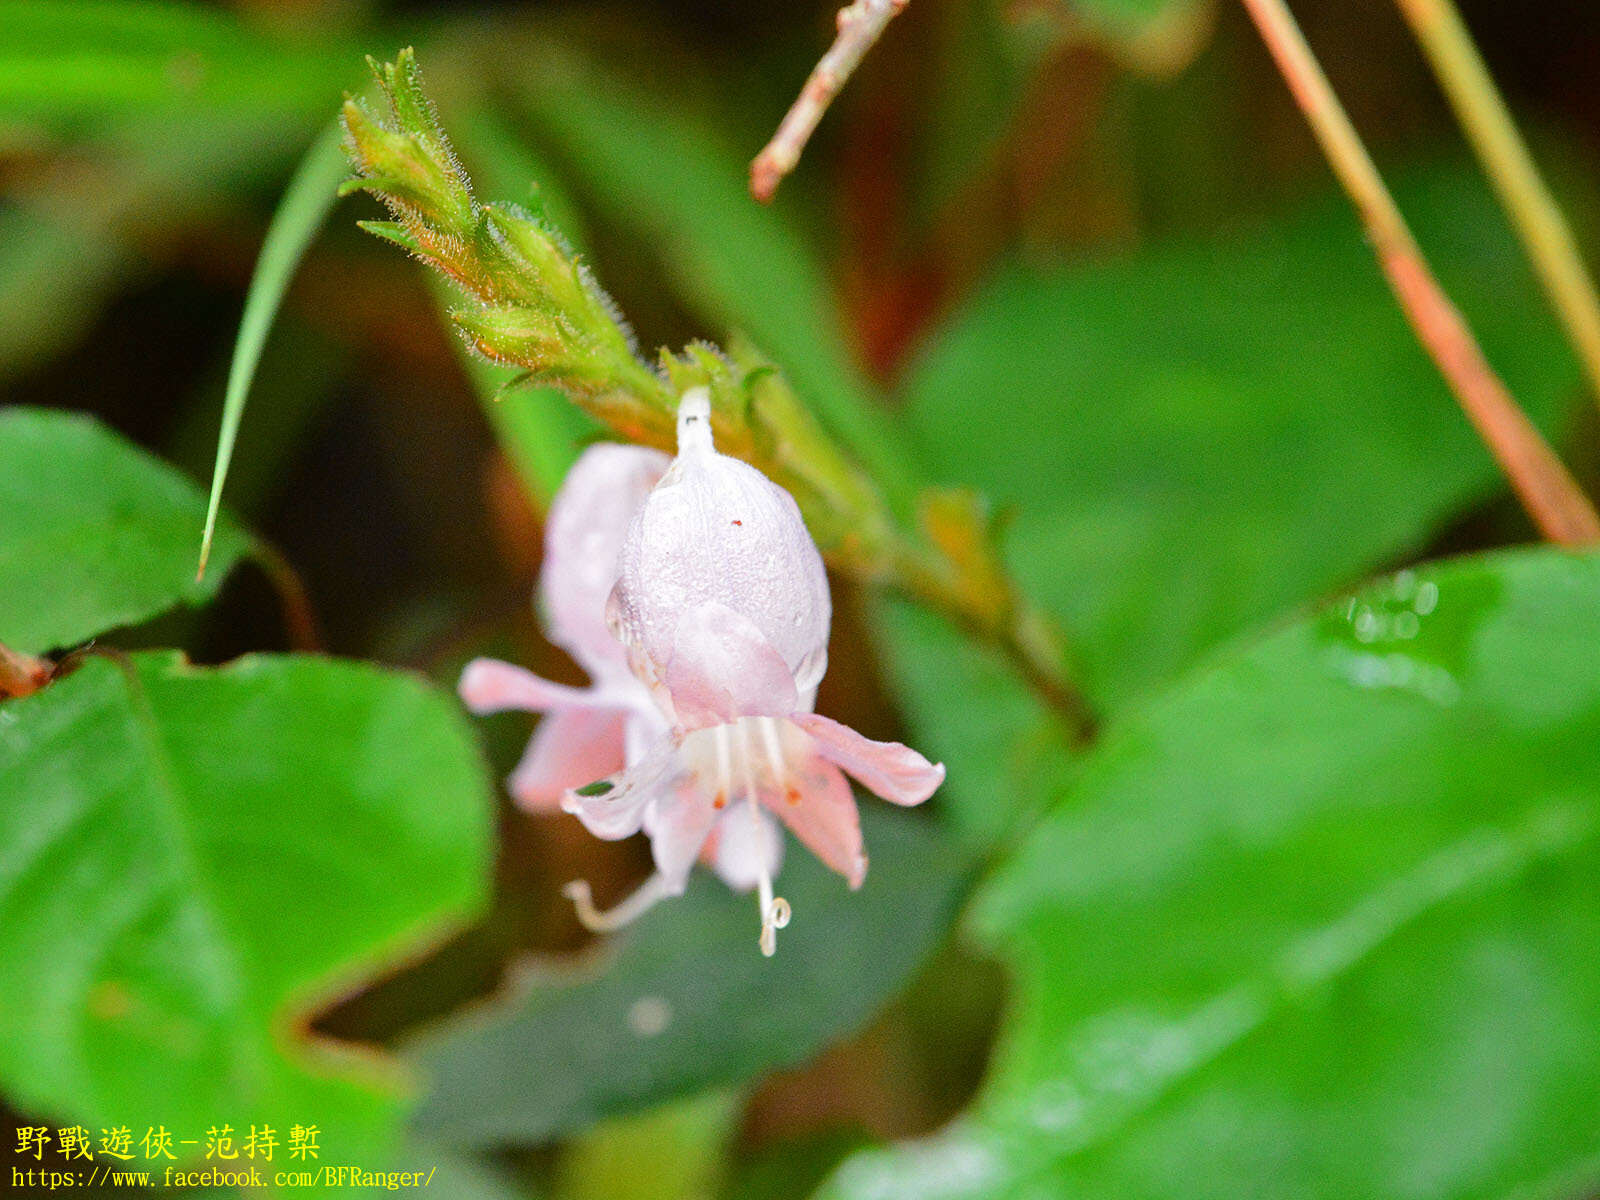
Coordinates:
860 25
299 618
1548 492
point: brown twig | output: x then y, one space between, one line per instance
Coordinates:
860 25
299 618
1550 495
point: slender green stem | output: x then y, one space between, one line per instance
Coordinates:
1547 491
1539 223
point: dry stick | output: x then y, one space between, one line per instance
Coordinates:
1546 490
860 25
1544 232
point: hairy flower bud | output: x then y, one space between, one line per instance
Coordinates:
718 544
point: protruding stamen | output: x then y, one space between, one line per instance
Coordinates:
769 739
775 914
774 909
644 898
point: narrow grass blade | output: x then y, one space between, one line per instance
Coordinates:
300 215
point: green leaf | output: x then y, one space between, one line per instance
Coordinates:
459 1176
94 533
168 106
1199 436
794 1166
675 182
689 1003
304 207
984 58
1324 915
193 860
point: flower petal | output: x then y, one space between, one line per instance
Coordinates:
819 807
489 686
723 668
570 748
678 824
897 773
582 539
744 845
616 807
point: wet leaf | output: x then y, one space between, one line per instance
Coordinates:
1322 915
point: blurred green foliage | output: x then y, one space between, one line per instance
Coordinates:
94 533
1264 384
1321 915
685 1006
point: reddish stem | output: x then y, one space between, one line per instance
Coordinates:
1547 491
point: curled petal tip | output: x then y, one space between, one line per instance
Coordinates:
858 874
895 772
474 685
488 685
531 800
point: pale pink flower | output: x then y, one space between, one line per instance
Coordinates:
586 732
722 604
